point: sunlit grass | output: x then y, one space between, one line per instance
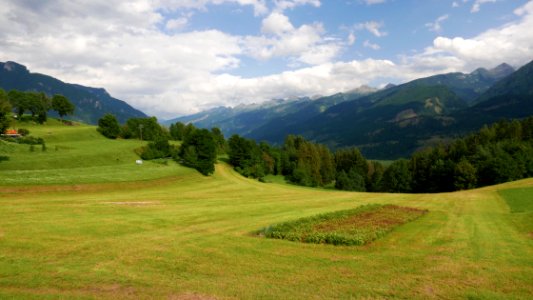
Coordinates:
112 230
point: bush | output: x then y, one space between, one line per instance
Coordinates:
23 131
160 148
108 126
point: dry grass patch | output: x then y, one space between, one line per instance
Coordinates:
348 227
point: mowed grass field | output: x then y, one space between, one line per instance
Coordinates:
86 222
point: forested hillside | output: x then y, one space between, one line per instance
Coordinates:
91 103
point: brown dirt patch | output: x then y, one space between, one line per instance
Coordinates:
384 217
133 203
191 296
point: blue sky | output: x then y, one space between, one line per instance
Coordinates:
177 57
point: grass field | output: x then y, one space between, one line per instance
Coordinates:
90 226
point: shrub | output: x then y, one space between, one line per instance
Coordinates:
108 126
23 131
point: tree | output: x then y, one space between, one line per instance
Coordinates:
19 101
159 148
5 109
351 181
62 105
306 163
375 176
465 176
108 126
177 130
220 142
327 164
347 159
397 177
147 129
38 105
199 151
245 156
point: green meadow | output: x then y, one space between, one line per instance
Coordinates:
82 220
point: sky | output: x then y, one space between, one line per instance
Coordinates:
178 57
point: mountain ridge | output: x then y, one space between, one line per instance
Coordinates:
91 103
395 121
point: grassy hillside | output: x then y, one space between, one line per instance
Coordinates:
184 236
76 154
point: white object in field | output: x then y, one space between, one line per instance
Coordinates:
139 162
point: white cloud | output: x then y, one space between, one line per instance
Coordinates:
306 44
455 4
120 47
511 43
259 6
276 23
289 4
526 9
372 27
351 38
370 45
436 26
477 5
176 24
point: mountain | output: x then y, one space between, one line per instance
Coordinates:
511 97
397 120
380 124
468 86
391 122
91 103
244 119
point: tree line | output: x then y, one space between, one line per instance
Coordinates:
495 154
36 103
199 147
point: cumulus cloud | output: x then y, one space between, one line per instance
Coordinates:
121 47
511 43
276 23
306 44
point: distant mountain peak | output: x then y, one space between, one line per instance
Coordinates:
12 66
389 85
362 90
501 71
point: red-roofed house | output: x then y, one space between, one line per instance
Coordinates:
11 133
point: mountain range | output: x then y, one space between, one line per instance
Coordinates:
384 123
91 103
245 119
391 122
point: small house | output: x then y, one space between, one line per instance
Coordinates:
11 133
